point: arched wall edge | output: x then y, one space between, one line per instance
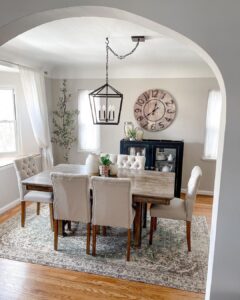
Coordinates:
21 25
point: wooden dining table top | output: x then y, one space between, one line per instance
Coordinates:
153 186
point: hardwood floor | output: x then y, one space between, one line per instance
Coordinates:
20 280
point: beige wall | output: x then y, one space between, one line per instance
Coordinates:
189 125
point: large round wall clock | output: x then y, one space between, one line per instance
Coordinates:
155 109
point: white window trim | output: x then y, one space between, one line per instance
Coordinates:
16 127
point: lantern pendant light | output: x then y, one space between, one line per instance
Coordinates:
106 101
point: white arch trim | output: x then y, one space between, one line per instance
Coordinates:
21 25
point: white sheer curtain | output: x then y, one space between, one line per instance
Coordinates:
35 96
88 133
213 124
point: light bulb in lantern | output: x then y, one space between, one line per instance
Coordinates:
104 111
113 111
109 112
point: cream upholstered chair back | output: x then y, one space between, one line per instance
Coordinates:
192 188
71 197
131 161
25 167
112 202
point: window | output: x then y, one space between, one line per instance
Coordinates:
8 143
212 124
88 133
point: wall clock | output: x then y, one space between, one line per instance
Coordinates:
155 109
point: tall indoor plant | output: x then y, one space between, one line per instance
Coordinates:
64 122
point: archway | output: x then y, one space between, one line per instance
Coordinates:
21 25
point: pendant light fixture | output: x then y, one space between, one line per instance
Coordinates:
106 101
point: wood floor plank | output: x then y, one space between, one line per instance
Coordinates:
25 281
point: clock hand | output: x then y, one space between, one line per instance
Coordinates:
152 112
155 110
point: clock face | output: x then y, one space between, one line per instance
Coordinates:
155 110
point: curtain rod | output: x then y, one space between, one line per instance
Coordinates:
18 65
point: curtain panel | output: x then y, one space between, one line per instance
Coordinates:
34 90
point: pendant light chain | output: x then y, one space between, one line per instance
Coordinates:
107 47
125 55
117 55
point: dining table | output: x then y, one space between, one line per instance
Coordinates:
147 186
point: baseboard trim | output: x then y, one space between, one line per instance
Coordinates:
200 192
9 206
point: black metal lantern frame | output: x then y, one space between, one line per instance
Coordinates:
103 102
106 101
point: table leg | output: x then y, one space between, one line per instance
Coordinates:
138 225
144 215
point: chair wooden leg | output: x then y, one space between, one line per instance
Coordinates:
188 229
55 235
94 240
38 208
129 244
51 215
104 230
97 229
60 227
88 238
151 230
23 213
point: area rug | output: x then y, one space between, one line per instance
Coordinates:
167 262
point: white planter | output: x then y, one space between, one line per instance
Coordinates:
92 163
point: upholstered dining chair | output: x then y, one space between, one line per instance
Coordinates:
131 161
71 202
136 162
178 209
27 167
112 206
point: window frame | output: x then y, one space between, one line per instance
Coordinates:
204 156
15 122
96 127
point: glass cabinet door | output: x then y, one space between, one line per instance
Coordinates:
165 159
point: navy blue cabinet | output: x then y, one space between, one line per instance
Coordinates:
161 155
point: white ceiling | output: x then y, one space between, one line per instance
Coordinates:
75 47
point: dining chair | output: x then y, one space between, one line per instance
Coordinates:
71 202
178 209
112 206
27 167
136 162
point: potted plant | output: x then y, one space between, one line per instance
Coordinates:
132 133
104 167
64 123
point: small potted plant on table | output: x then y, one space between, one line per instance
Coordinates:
104 168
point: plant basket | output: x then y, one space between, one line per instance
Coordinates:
104 170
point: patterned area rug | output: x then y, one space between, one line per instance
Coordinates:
167 262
